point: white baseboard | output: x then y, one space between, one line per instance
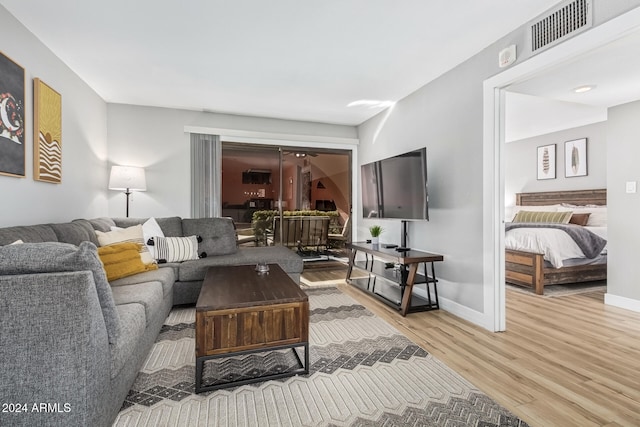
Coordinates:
622 302
457 309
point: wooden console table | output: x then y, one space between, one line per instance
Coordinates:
395 279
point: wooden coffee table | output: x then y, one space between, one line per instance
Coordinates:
241 311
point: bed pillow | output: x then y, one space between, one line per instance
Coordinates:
175 249
126 235
122 260
552 217
510 212
597 217
579 218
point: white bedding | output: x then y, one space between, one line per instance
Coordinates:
554 244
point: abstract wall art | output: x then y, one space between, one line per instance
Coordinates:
547 162
575 158
12 146
47 133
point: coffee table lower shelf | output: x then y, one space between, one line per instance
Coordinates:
302 369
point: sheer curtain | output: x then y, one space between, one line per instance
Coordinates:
206 175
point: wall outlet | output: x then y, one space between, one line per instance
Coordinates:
631 187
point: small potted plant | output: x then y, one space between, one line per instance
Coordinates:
375 231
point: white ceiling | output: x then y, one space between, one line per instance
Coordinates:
303 60
614 69
546 102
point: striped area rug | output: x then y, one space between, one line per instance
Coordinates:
363 373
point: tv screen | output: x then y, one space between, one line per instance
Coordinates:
396 187
256 177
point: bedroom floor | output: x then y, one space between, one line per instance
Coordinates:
563 361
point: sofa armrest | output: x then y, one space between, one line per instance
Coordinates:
54 350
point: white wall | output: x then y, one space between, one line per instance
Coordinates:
521 161
155 139
623 270
84 142
446 116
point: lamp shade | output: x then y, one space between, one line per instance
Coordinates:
127 178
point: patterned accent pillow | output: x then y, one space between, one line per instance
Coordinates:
126 235
175 249
553 217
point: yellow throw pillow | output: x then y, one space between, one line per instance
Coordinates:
122 260
127 235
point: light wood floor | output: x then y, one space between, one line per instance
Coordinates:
564 361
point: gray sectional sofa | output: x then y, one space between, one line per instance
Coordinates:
71 343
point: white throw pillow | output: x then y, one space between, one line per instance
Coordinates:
175 249
126 235
151 229
17 242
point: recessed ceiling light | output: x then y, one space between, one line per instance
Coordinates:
583 89
371 103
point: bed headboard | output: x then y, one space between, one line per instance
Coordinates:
574 197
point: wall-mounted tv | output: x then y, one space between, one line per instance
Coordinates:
256 176
396 187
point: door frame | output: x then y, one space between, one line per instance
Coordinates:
494 89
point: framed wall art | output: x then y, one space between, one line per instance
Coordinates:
547 162
575 158
47 133
12 144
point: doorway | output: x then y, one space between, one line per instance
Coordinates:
494 139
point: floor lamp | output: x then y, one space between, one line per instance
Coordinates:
127 179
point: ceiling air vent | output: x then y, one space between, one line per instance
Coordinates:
560 24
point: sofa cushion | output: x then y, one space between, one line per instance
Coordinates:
122 260
31 234
166 276
75 232
133 327
149 294
288 260
52 257
103 224
171 226
218 235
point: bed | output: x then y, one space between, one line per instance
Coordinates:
528 268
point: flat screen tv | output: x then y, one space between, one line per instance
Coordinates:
396 187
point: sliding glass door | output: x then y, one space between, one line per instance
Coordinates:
259 178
